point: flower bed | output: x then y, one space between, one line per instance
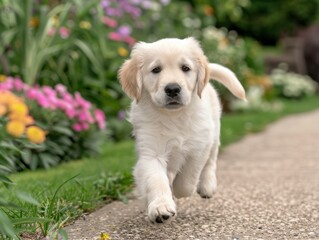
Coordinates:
44 126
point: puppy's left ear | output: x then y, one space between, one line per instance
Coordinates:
202 64
202 74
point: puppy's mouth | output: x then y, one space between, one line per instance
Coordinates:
173 104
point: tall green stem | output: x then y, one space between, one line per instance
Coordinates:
26 37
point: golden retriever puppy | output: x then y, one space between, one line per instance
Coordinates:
176 120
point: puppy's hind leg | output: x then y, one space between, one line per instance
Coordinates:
186 180
208 181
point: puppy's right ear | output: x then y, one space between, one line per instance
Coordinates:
130 78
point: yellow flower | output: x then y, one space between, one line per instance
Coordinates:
122 52
56 21
3 78
18 109
3 110
15 128
85 25
35 134
104 236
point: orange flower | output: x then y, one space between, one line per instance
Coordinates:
28 120
7 97
3 110
35 134
34 22
15 128
208 10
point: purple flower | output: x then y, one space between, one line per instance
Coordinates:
113 12
146 4
105 3
124 30
165 2
121 115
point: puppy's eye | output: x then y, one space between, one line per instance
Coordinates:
185 68
156 70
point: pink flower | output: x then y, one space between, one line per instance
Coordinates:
18 84
77 127
64 32
32 93
70 112
43 101
51 31
109 22
85 116
53 101
48 91
115 36
7 85
130 40
60 88
82 102
67 97
85 126
100 118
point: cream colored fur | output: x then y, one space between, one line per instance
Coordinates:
177 147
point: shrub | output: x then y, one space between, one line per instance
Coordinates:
43 126
78 43
260 21
292 85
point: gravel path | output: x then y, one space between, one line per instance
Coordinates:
268 189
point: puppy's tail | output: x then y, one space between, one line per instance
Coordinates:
228 79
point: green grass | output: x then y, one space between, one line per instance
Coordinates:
108 176
235 126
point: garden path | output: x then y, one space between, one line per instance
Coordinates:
268 189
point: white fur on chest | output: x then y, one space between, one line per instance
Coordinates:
170 135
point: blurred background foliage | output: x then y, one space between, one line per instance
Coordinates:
81 44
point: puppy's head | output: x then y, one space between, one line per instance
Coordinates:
169 71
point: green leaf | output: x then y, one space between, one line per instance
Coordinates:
63 234
9 205
6 226
5 180
9 145
26 156
27 198
63 130
30 220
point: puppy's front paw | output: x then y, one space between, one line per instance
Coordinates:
161 209
207 187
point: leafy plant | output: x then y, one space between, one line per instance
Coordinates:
41 127
113 187
292 85
10 226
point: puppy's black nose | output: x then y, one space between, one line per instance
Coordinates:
172 90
